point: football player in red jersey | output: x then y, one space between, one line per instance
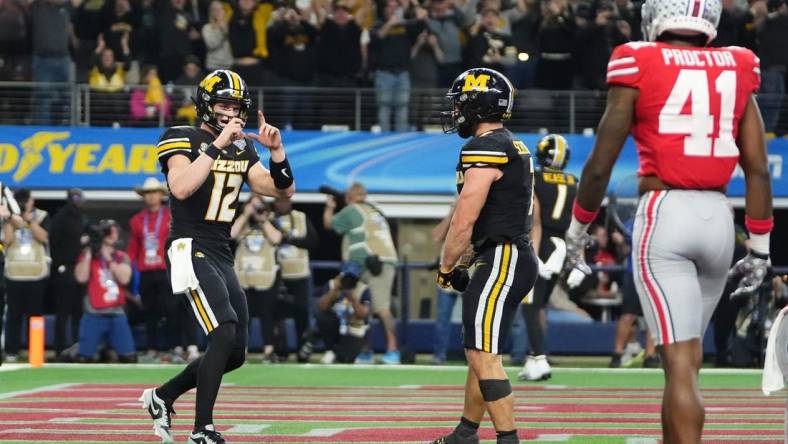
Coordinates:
691 111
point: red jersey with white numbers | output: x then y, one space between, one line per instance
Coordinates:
688 110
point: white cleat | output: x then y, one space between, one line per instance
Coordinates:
160 412
536 368
328 357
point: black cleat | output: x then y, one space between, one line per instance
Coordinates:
652 361
205 436
161 412
453 438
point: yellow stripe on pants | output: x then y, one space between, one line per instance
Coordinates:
201 309
494 293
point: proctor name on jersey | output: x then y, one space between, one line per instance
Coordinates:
698 57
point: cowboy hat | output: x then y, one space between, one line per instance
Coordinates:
151 184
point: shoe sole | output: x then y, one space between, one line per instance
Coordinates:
162 432
544 377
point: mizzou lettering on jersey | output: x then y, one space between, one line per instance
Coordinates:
506 212
688 109
556 192
209 212
230 166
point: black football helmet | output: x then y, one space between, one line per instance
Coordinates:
553 152
477 95
221 85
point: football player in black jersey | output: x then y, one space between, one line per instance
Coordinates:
495 184
554 193
206 167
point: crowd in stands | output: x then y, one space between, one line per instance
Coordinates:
389 44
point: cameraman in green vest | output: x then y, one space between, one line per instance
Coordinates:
367 241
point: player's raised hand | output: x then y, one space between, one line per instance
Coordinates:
268 135
230 133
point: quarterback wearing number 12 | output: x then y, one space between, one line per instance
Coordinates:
692 113
205 168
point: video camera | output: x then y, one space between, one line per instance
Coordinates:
351 273
97 232
339 196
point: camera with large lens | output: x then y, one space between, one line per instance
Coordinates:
350 275
97 232
339 196
260 208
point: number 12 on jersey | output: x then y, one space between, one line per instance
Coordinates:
221 198
698 126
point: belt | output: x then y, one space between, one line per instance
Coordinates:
521 241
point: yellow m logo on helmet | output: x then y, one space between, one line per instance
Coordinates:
209 83
476 83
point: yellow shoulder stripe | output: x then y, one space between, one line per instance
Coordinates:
174 145
484 159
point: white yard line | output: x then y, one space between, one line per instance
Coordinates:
323 433
247 428
45 388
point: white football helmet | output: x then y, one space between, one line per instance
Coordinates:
681 17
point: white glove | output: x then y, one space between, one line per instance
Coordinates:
751 271
544 272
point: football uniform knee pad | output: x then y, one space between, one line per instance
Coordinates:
495 389
236 359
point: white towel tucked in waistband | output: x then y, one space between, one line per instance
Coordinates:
182 275
775 367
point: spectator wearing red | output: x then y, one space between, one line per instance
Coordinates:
106 271
149 228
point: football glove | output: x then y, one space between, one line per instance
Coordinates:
457 278
575 258
544 272
750 271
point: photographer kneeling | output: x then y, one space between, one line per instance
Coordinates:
105 270
342 316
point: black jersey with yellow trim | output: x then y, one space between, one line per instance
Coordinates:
506 214
207 215
556 191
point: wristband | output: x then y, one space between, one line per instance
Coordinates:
576 228
759 226
212 151
582 215
281 173
759 244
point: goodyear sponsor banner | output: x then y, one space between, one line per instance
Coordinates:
112 159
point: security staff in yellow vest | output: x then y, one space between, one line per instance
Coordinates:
8 206
26 239
257 268
298 236
366 240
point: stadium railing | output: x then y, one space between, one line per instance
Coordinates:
22 103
